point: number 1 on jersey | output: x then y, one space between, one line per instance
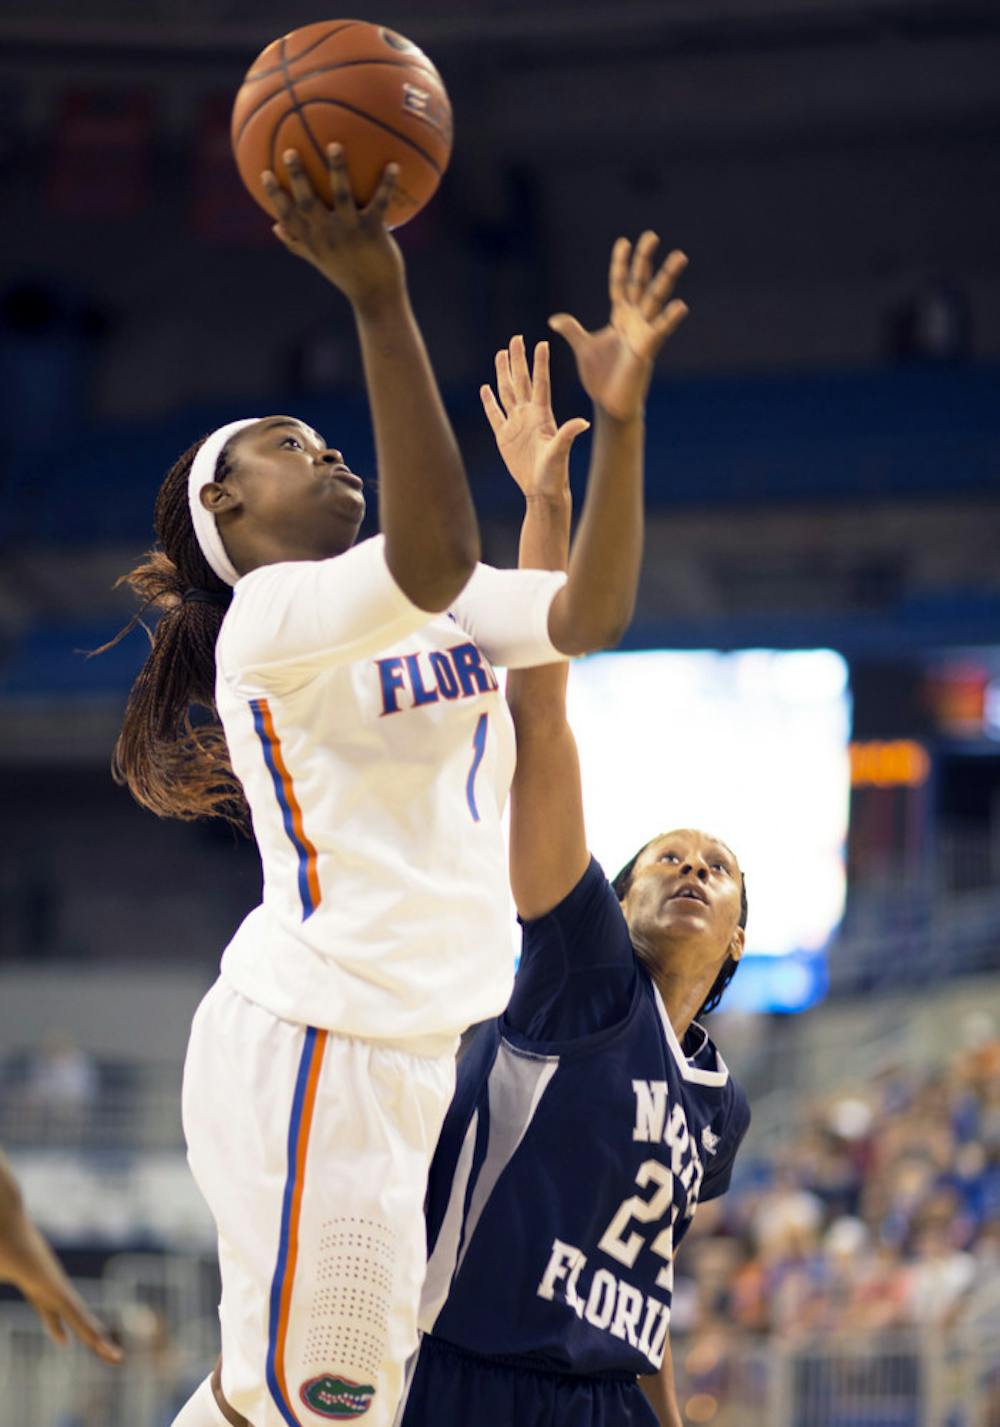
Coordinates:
478 749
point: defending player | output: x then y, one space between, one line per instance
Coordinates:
591 1118
362 727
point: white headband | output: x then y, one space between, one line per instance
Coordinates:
202 473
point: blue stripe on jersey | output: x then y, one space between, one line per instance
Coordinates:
283 791
479 745
281 1267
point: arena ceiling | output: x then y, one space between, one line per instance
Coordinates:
696 74
208 26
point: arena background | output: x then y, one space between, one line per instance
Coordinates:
824 473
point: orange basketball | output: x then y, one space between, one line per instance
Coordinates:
347 82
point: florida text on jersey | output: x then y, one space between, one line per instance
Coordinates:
376 751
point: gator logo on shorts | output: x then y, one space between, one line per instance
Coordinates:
336 1397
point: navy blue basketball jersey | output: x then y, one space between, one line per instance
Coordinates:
580 1140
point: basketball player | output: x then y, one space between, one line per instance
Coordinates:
27 1261
593 1116
363 728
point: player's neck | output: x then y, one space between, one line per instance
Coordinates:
251 549
682 997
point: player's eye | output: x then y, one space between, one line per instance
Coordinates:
720 867
669 857
296 443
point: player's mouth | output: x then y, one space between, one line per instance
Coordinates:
345 474
690 894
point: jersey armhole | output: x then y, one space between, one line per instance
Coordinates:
581 1045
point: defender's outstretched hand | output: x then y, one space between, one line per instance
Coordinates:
534 449
27 1261
616 363
350 246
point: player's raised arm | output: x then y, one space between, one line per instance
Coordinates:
426 512
615 366
548 844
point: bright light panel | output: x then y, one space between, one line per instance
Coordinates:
749 746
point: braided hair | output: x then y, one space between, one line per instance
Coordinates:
174 765
621 883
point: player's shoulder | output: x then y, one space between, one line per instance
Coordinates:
281 574
701 1051
262 582
274 602
261 592
694 1061
739 1109
703 1054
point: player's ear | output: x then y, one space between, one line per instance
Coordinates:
737 944
218 496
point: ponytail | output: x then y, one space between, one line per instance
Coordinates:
173 765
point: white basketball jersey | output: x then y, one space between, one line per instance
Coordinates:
376 751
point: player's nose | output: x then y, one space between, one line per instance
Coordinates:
698 870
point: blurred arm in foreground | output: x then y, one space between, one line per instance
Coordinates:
27 1261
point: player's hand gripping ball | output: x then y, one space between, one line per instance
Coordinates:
351 83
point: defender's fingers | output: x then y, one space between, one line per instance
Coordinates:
505 384
569 329
298 181
383 194
618 270
567 434
669 320
642 266
519 373
663 283
494 411
541 384
340 184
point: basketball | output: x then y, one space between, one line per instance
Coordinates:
352 83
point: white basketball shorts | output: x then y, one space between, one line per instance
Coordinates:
312 1151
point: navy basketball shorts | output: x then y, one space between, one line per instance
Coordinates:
448 1387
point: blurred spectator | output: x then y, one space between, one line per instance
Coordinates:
62 1086
940 1278
932 323
882 1212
